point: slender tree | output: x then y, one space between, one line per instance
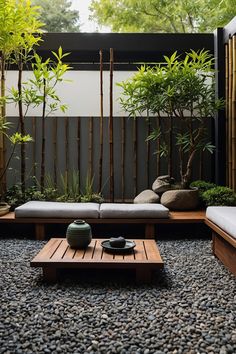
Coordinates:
47 74
18 34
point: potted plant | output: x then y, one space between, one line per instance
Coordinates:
181 94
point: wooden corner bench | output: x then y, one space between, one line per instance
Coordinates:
178 217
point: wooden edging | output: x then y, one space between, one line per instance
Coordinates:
221 232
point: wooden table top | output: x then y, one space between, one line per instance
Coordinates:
58 253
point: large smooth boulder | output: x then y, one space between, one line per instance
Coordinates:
147 196
162 184
180 199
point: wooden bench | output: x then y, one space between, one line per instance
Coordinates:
177 217
223 246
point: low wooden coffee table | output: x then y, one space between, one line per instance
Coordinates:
57 254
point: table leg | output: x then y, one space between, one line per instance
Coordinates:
49 274
143 275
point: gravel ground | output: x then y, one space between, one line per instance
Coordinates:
189 308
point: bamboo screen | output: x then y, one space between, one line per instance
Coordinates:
230 59
83 145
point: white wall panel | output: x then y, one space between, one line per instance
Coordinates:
81 94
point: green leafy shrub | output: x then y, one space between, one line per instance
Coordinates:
202 186
219 196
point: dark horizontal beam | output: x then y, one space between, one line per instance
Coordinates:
128 48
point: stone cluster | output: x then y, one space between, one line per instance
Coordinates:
189 307
163 191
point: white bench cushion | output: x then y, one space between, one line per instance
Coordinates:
127 211
224 217
36 209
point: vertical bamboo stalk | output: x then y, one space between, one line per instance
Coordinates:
227 110
123 148
135 156
234 113
170 162
148 152
78 145
54 139
158 122
67 152
101 121
201 168
34 136
111 128
3 115
90 147
230 112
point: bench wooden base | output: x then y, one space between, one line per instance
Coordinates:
223 246
186 217
57 254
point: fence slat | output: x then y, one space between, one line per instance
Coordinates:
54 137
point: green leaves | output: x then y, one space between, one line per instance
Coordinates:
177 88
18 138
41 89
163 16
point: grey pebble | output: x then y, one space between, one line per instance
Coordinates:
184 310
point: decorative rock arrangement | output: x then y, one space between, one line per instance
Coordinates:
162 184
147 196
163 192
180 199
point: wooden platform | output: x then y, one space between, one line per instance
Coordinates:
176 217
57 254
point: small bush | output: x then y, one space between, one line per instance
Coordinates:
219 196
202 186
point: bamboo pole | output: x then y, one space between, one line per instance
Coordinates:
158 123
54 139
234 112
123 149
170 162
101 121
135 156
230 112
67 152
90 147
227 110
148 151
34 144
3 115
78 145
201 167
111 128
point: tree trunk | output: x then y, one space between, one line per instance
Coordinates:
42 179
186 177
3 115
22 126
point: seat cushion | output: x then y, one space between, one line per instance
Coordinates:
36 209
126 211
224 217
